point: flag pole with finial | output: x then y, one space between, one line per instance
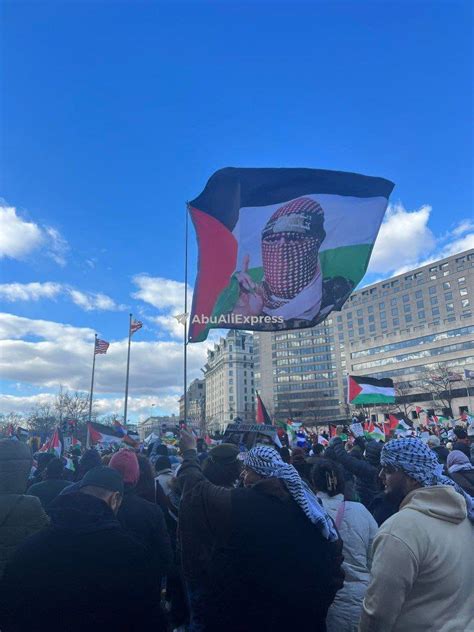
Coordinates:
92 380
128 371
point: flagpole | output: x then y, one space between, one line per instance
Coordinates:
92 380
128 371
185 340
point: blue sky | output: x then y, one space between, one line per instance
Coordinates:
114 114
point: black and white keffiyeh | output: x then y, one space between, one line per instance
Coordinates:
267 462
418 461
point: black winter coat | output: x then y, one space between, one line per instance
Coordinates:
252 560
367 484
48 490
84 573
145 522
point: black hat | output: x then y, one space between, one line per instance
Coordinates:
224 454
102 476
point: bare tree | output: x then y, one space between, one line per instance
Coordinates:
438 380
71 405
14 419
42 419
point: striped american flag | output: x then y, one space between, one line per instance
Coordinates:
101 346
135 326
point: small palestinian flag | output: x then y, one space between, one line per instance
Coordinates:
368 390
322 441
402 425
281 248
377 434
262 415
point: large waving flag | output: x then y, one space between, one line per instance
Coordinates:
368 390
281 248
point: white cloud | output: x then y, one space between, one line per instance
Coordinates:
88 301
45 354
13 292
405 242
138 407
94 301
19 238
164 294
404 236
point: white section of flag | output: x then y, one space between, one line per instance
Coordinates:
348 221
369 389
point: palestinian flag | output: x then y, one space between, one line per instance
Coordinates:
262 415
322 441
377 434
107 435
75 443
368 390
53 445
281 248
403 426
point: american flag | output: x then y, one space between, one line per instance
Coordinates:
135 326
101 346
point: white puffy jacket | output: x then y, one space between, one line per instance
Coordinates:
357 530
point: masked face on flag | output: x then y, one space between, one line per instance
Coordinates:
281 248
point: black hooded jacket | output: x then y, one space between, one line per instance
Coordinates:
82 573
365 470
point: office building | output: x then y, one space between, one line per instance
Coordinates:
196 403
400 328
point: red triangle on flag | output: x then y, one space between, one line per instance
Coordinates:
354 389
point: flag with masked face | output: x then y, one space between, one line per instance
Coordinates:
281 248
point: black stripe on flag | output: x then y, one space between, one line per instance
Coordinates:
385 382
230 189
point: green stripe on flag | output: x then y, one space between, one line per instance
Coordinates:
347 261
374 398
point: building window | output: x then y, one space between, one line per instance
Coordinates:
349 315
450 307
448 296
383 315
361 331
405 298
372 328
382 305
407 309
360 321
465 303
395 311
420 304
421 314
418 294
463 292
435 311
393 301
434 300
461 280
359 312
446 285
432 290
371 318
408 318
396 322
370 309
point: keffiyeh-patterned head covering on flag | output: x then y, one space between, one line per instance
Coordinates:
267 462
418 461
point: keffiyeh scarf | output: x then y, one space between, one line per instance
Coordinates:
419 462
267 462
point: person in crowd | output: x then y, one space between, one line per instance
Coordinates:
105 459
222 466
298 460
470 436
423 558
139 517
145 487
357 529
285 454
42 459
21 515
91 458
461 471
434 443
53 484
259 532
365 470
164 474
461 441
84 572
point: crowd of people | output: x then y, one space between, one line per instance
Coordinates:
359 535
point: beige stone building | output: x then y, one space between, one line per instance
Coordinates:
229 381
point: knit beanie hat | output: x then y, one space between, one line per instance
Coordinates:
126 462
